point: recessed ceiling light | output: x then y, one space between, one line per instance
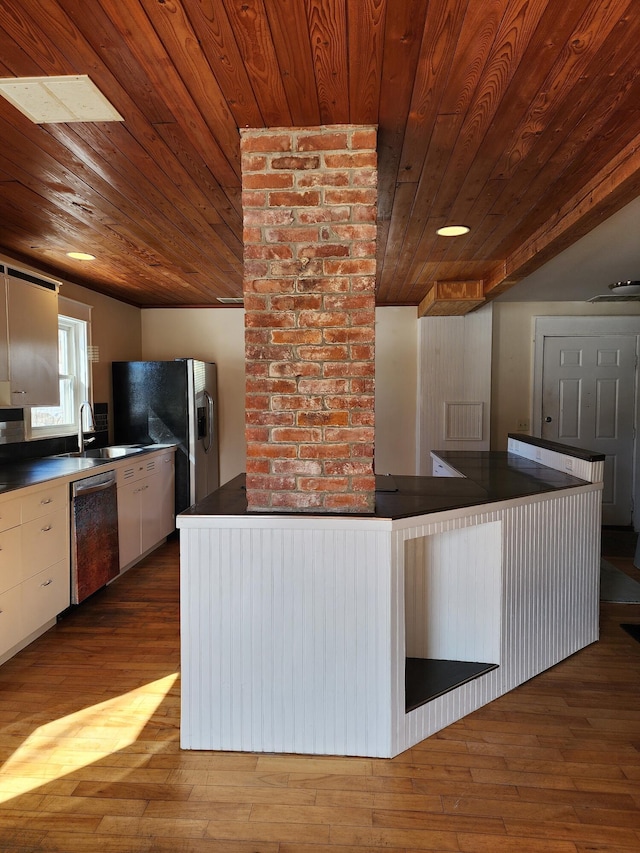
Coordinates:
81 256
453 230
52 100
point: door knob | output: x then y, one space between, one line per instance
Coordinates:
548 420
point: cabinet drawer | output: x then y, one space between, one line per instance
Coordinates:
10 556
45 595
10 619
10 515
44 541
45 501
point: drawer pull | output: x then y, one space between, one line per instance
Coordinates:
46 529
46 501
46 583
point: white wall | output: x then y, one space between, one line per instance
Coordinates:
512 359
217 334
396 390
208 334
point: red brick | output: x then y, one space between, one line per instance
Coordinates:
362 451
256 434
320 419
324 250
268 251
362 387
354 436
295 163
296 268
261 402
302 302
364 483
323 484
323 141
361 352
349 402
355 160
356 368
323 179
349 302
271 482
297 336
296 434
324 451
295 368
296 500
308 467
292 234
253 198
355 232
324 353
347 467
269 285
322 285
320 319
258 466
270 451
253 270
360 196
363 318
323 386
358 266
271 386
296 199
267 217
362 334
365 179
251 235
324 214
269 319
364 138
268 142
256 499
253 163
295 402
350 502
360 249
363 418
270 419
267 181
268 353
364 213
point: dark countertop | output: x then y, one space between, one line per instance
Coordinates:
489 476
31 472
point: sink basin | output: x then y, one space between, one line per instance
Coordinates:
113 452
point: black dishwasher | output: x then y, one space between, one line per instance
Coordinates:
94 534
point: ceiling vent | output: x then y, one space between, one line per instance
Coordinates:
621 291
51 100
230 300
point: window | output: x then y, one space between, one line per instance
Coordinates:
73 368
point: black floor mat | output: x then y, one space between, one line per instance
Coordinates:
632 630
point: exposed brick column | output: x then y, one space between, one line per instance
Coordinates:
309 200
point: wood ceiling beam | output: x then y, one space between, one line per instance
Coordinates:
451 298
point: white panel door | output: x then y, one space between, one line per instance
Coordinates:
588 401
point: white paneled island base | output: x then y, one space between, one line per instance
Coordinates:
296 629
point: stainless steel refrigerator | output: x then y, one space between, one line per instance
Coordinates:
176 401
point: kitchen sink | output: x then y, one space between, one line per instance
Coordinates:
114 451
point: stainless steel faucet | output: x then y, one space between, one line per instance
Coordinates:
82 441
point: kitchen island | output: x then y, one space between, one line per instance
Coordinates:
362 635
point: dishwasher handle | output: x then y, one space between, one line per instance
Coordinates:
89 485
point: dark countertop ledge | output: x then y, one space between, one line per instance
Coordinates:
32 472
489 476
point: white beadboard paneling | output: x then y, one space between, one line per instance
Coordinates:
463 421
294 633
454 365
592 472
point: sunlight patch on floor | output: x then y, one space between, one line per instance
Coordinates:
62 746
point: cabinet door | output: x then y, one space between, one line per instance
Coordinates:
166 494
44 596
129 522
32 322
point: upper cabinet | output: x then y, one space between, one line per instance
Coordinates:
28 340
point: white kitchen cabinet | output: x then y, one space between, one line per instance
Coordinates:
29 352
145 505
34 564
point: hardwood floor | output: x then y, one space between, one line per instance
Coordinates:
89 737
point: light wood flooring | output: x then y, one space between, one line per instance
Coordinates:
89 720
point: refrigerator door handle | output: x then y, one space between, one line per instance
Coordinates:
208 442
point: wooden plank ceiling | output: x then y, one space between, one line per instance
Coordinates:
517 118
